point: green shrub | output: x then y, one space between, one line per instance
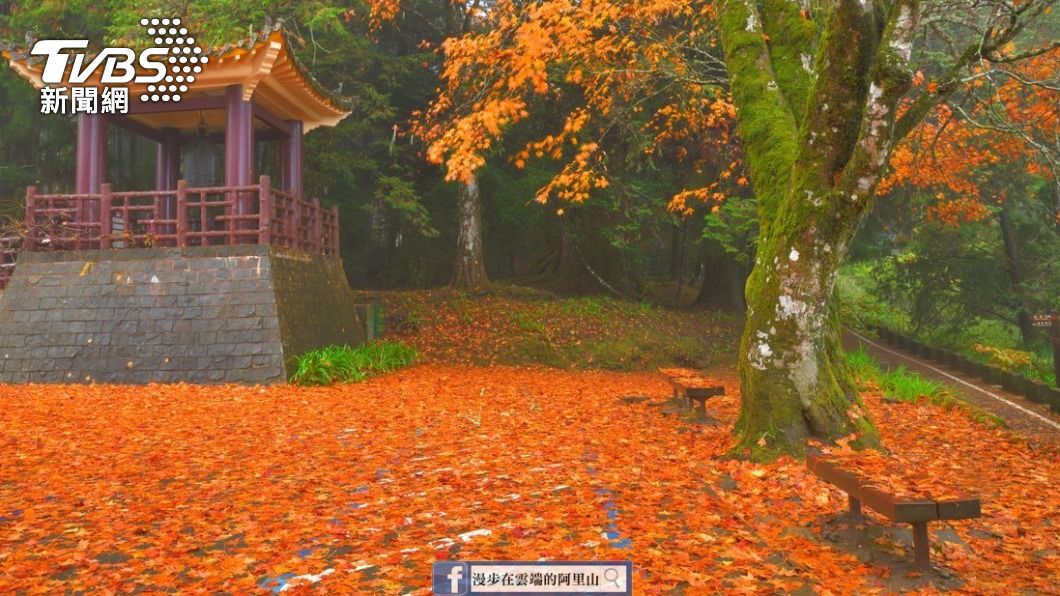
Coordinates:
1031 365
988 341
861 305
343 364
1041 369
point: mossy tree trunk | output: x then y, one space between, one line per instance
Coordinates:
469 270
816 120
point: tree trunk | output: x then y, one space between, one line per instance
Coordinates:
678 234
814 161
795 383
580 260
469 270
559 267
1014 268
724 279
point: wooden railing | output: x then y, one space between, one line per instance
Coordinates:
8 249
223 215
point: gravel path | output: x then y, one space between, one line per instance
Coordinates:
1036 422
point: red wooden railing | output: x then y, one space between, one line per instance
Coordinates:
222 215
8 250
183 217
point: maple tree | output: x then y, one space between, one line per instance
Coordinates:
560 58
992 162
815 92
951 152
646 67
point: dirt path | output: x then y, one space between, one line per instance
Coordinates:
1035 421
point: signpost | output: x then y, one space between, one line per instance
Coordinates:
1052 321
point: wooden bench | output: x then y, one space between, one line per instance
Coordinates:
690 387
917 512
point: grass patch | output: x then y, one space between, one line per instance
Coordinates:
904 386
343 364
862 365
586 306
528 321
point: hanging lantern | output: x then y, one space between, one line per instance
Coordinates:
202 159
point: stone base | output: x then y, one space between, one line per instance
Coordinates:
224 314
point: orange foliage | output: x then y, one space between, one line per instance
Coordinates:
382 11
678 372
359 488
618 64
952 158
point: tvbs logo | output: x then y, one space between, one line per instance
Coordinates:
167 68
118 63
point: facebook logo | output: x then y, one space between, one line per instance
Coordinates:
450 577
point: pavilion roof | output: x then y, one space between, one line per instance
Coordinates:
263 63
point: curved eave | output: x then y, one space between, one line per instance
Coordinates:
266 69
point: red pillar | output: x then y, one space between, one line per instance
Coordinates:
167 160
292 158
91 169
167 170
239 150
91 152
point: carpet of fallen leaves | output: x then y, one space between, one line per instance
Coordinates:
359 488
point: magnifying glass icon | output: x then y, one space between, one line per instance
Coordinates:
611 576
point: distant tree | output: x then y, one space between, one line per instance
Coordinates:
37 149
453 20
991 166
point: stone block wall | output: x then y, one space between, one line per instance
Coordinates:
200 315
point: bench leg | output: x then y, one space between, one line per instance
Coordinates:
921 551
855 506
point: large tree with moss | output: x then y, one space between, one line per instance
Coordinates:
820 108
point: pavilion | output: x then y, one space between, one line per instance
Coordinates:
251 91
220 273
